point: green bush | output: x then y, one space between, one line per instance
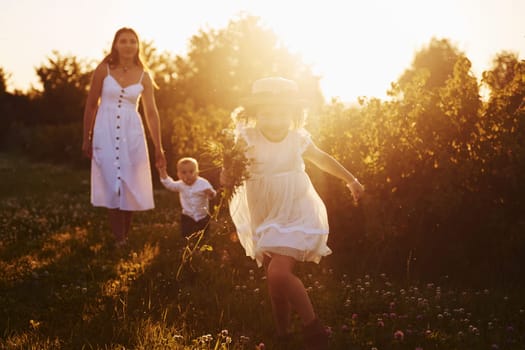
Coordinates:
52 143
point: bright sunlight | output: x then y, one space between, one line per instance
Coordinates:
358 48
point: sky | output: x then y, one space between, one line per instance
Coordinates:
358 48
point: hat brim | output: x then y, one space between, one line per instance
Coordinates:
257 100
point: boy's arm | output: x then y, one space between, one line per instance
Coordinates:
207 188
210 193
169 183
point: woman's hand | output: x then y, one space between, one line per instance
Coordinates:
163 172
357 189
160 159
87 148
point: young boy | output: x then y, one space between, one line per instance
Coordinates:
194 193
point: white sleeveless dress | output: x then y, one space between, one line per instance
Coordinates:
277 210
120 169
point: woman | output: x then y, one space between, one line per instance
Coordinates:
114 136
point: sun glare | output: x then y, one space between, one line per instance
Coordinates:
359 48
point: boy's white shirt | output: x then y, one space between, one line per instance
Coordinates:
193 198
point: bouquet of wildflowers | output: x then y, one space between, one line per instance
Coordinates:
229 154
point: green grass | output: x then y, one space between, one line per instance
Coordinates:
63 286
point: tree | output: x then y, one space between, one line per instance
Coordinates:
15 109
6 117
222 64
4 76
503 125
65 81
420 155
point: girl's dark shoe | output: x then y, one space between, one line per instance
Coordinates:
285 341
315 336
121 243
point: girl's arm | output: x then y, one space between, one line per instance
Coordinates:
152 120
225 178
330 165
90 110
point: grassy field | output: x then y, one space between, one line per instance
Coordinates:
63 286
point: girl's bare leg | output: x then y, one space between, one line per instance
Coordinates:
287 290
281 307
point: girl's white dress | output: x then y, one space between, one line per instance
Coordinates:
120 170
277 210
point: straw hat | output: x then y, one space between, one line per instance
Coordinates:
273 90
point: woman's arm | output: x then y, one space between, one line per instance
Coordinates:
330 165
90 110
151 114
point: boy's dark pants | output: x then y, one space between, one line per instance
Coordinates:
189 226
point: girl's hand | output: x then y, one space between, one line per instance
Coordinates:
225 178
356 188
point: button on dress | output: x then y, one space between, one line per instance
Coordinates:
277 210
120 168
